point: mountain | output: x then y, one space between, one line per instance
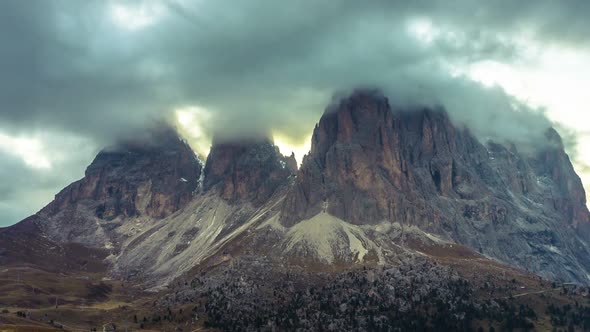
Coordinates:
239 188
370 165
147 177
249 171
395 192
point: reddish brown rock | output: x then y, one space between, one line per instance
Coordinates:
251 170
153 176
370 164
365 160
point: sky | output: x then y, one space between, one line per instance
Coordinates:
78 75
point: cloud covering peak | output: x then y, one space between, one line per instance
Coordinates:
97 70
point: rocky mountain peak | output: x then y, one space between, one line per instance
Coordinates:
353 120
248 170
365 149
153 173
569 197
371 164
554 140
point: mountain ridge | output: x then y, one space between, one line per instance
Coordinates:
375 178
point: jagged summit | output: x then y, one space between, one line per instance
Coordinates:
358 94
247 170
363 148
569 196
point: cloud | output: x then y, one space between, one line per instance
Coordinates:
26 185
99 70
260 64
67 67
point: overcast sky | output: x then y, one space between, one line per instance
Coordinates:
75 75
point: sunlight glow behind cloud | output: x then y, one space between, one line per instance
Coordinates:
135 17
191 122
423 30
287 146
556 81
100 69
30 150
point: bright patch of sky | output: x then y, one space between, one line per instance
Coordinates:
135 16
191 122
287 146
30 150
552 78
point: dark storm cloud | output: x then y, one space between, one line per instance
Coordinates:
67 64
259 61
64 67
258 66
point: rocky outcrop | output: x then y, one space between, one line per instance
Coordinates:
147 177
154 176
251 170
370 164
367 161
242 185
568 196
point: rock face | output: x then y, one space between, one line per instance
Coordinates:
366 161
155 177
569 196
149 177
370 164
151 204
243 183
247 171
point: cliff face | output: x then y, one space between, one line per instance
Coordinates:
247 171
242 185
367 161
568 196
149 177
370 164
154 177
